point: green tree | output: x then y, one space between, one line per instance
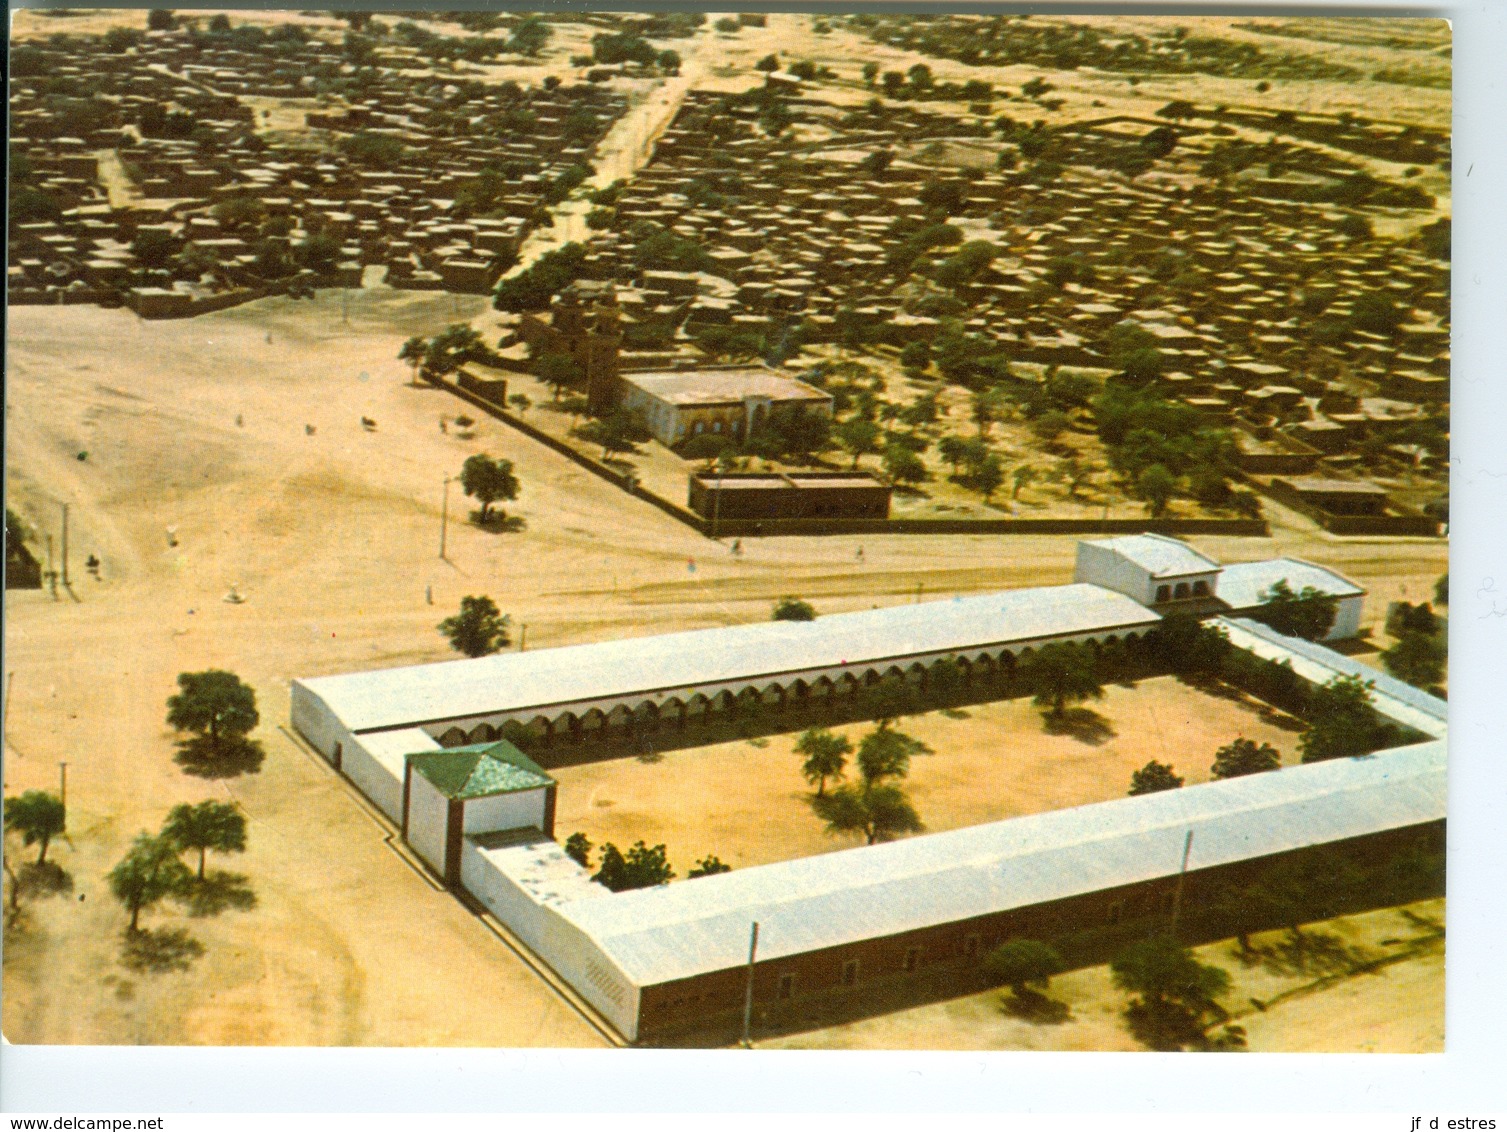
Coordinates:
1309 614
214 705
1153 778
38 817
954 450
413 352
879 813
1174 991
886 753
826 755
559 371
870 73
1059 674
1441 590
859 437
1156 485
1183 644
988 476
793 609
578 848
488 481
620 431
1341 721
1020 477
1024 965
708 866
147 874
903 465
1418 658
479 629
1244 756
451 348
916 356
768 64
161 19
209 825
641 867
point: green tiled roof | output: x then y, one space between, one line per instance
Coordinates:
480 770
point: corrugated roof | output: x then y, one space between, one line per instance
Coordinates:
398 697
480 770
698 926
1242 583
1159 555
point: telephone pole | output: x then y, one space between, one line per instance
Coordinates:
1177 893
65 544
63 783
444 516
753 950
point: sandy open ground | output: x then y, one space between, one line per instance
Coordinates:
746 801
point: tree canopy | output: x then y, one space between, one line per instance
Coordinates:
1244 756
641 867
1341 721
1024 963
214 704
826 755
1153 778
147 874
1308 614
879 813
488 481
793 609
1059 674
479 629
38 817
208 825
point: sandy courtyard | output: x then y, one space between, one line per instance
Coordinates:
746 801
332 536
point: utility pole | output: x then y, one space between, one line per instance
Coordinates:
52 574
63 783
1177 893
919 587
444 516
522 635
753 950
717 503
65 544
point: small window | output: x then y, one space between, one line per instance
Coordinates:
912 958
699 426
850 972
1181 591
971 947
1200 589
716 426
1163 593
1116 912
787 985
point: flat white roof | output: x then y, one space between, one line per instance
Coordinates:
1160 556
698 926
723 386
391 748
536 864
1242 583
430 693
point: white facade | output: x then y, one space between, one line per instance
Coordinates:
1150 569
1243 585
428 821
521 809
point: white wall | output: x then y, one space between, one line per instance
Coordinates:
373 779
428 820
518 810
1346 619
567 950
313 719
1103 567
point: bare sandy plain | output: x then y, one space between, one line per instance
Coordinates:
333 539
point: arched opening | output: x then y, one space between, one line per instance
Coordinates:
593 720
454 737
872 677
1180 591
799 691
848 684
749 698
673 708
540 727
1200 589
773 694
646 713
569 723
821 688
722 701
482 733
1163 593
619 716
697 705
915 676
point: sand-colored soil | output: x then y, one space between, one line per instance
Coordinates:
747 802
1308 1005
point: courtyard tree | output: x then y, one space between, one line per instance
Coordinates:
1153 778
826 755
1183 644
870 73
488 481
413 352
793 609
38 817
479 629
215 706
448 350
1059 674
147 874
209 825
641 867
879 813
708 866
559 371
578 848
1308 614
1244 756
1341 721
886 753
1156 485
